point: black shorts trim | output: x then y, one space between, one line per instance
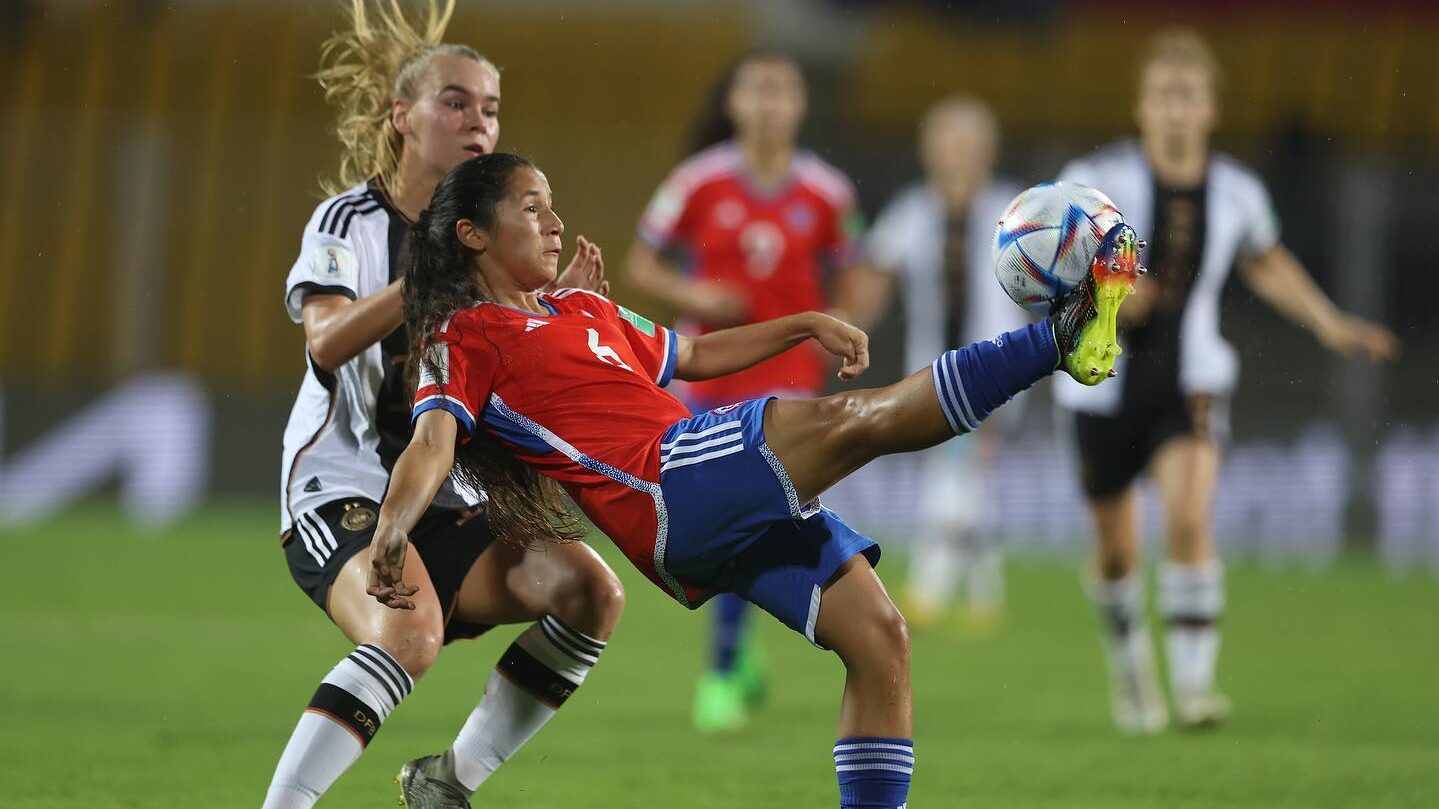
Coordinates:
322 540
1115 450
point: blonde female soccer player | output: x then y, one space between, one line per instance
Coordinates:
1204 212
520 390
410 109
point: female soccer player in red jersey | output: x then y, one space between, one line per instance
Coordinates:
520 390
410 110
757 224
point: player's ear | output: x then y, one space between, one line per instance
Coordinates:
400 115
475 238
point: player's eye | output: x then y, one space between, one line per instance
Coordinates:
455 105
492 112
532 209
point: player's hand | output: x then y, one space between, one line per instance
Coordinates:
718 305
844 341
469 513
387 568
586 270
1356 337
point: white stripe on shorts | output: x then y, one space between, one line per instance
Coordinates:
708 456
814 598
303 530
324 532
690 449
718 428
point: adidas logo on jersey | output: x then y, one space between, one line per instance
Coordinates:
313 485
532 324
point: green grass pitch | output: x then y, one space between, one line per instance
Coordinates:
167 671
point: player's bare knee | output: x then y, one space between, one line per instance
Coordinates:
415 651
591 601
880 640
1116 560
894 630
1188 528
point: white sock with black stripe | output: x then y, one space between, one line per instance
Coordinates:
539 671
343 715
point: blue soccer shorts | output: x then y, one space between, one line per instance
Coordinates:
736 523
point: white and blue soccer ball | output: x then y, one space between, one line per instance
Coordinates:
1047 239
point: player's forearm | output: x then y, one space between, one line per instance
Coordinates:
861 294
1279 281
651 274
731 350
416 478
345 330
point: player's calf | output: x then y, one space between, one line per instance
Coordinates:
874 756
536 675
345 713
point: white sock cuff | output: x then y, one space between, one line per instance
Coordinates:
1125 596
373 677
1191 590
561 648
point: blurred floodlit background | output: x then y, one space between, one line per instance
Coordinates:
159 159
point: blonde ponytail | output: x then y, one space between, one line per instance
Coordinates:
364 69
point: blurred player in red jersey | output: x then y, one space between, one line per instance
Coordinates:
522 392
746 230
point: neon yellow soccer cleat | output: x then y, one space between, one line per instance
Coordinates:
1085 320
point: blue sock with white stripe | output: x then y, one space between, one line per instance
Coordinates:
973 381
873 772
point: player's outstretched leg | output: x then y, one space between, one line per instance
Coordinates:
821 441
874 754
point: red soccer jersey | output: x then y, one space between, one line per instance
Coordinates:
575 393
771 247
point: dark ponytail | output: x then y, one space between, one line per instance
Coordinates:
440 280
712 125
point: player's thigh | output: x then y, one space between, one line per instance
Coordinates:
857 619
1116 527
412 637
508 584
821 441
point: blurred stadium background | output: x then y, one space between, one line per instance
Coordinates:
158 159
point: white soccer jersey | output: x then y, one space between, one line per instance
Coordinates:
1239 221
347 428
908 240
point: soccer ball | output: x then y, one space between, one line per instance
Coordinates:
1047 239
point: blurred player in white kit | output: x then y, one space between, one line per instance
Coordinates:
935 240
1202 212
